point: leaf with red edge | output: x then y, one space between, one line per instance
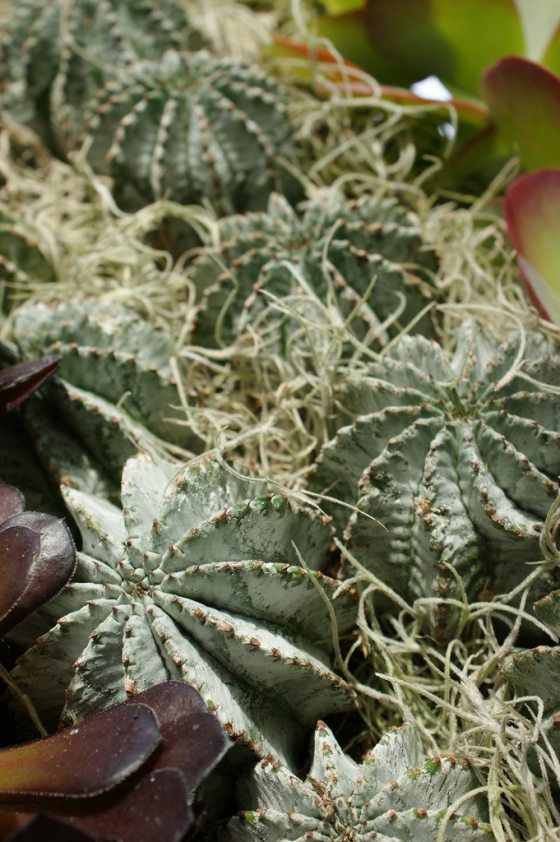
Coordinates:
524 99
12 501
156 808
37 557
83 760
452 40
193 738
532 212
48 829
20 381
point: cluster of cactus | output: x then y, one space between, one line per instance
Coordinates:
395 794
128 83
197 578
350 254
190 571
455 460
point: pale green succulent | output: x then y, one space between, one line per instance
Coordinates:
456 460
536 672
22 261
395 795
115 391
197 578
365 257
118 78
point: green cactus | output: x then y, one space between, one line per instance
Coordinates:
196 579
347 251
22 261
536 672
396 794
115 390
457 459
121 82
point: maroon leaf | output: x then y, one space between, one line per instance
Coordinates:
12 501
193 739
48 829
84 760
20 381
532 211
155 809
37 557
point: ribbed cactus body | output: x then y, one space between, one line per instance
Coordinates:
196 579
21 260
457 459
396 794
355 256
116 390
123 83
536 672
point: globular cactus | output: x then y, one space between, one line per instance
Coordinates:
536 672
357 253
395 794
115 392
455 458
22 260
196 579
122 82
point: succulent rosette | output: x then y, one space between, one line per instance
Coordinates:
455 458
197 578
395 795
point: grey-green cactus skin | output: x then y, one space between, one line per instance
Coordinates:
21 259
395 795
536 672
116 391
339 247
457 459
196 579
122 83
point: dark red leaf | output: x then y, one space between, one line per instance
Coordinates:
48 829
193 739
155 809
20 381
12 501
37 557
84 760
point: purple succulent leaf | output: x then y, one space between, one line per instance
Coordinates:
80 761
18 382
12 502
48 829
155 808
193 738
37 558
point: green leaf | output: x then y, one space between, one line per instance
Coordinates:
340 7
532 211
454 41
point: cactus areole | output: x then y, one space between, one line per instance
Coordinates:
196 579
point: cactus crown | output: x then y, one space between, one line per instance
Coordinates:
396 794
122 82
351 251
116 389
457 459
196 579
